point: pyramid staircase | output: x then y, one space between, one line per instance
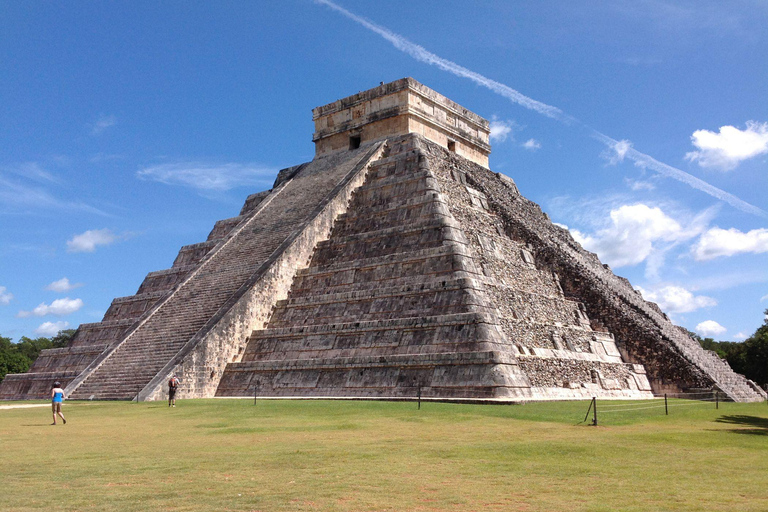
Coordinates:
177 325
92 339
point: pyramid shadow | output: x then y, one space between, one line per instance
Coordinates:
759 425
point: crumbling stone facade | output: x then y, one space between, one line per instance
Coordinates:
393 264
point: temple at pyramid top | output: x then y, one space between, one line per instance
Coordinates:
399 108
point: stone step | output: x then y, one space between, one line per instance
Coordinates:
435 302
378 292
402 258
398 271
133 306
458 332
192 254
374 325
223 227
385 191
386 241
396 204
164 280
391 217
100 333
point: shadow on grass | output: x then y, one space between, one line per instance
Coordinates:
759 425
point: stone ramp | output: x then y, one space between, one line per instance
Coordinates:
187 312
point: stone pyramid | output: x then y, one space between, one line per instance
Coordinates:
394 264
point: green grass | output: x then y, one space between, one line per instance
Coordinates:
356 456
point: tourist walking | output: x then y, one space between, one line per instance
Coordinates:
57 397
173 385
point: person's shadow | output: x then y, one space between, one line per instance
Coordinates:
759 425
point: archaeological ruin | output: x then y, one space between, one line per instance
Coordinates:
394 263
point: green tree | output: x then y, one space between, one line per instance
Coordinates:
11 360
750 357
18 357
755 357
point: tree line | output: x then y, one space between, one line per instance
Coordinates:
18 357
748 357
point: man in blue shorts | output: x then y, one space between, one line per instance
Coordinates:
57 396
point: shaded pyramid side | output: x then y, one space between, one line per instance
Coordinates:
403 298
199 326
642 333
549 333
92 339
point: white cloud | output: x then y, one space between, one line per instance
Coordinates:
501 129
59 307
728 148
5 296
637 185
676 299
62 285
764 297
102 123
710 328
33 171
718 242
19 196
209 177
88 241
631 234
51 328
532 145
740 336
617 151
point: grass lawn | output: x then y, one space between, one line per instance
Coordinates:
356 456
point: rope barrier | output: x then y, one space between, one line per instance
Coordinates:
676 395
633 409
696 398
629 404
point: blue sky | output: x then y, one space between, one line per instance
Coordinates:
128 129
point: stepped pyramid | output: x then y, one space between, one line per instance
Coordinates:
394 264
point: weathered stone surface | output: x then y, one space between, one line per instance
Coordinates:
395 263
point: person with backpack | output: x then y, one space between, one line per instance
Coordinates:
173 385
57 397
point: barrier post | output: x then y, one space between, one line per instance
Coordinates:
589 409
666 408
717 399
594 411
419 407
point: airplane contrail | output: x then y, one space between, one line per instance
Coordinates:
641 159
421 54
648 162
